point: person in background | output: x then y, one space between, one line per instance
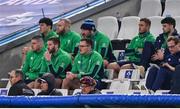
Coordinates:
18 87
69 39
47 85
56 61
101 42
32 64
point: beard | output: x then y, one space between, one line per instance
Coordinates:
51 51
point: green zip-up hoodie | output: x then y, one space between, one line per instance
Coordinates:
138 43
69 41
49 35
101 44
60 63
88 65
32 64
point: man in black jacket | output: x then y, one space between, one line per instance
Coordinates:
18 87
47 85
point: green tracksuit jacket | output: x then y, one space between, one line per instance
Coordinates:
49 35
69 41
102 45
138 43
32 64
60 63
88 65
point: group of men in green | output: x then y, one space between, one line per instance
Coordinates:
66 54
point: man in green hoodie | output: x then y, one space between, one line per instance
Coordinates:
134 49
87 63
56 61
32 64
101 42
69 39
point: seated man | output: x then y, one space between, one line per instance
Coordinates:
47 85
152 52
88 84
86 63
101 42
69 39
135 47
32 63
56 61
160 78
18 87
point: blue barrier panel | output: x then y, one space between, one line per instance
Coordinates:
96 100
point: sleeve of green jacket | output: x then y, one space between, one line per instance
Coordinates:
103 47
60 67
44 67
25 67
95 66
76 41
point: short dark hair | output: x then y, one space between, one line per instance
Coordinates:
88 41
37 37
47 21
173 38
169 20
55 40
146 20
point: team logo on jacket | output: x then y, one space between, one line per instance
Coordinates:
31 58
169 59
79 62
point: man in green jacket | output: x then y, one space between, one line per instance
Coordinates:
134 49
69 39
32 64
46 25
87 63
101 42
46 31
56 61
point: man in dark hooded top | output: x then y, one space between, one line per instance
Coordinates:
47 85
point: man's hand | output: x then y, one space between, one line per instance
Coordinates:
47 55
106 63
159 55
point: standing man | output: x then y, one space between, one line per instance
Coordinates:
56 61
33 61
101 42
18 87
69 39
87 63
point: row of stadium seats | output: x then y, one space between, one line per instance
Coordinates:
4 91
154 8
129 26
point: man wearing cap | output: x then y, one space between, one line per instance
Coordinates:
47 85
87 85
32 64
101 43
56 61
69 39
87 63
18 87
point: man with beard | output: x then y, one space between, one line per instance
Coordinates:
69 39
101 42
56 61
87 63
32 63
